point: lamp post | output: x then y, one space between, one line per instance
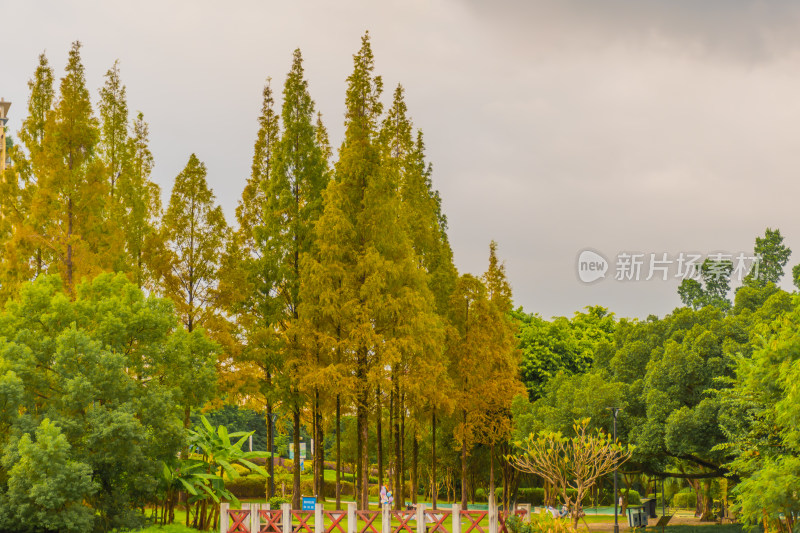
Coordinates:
3 119
614 411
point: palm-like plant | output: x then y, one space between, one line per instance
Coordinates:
202 474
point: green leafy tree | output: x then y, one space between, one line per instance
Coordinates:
772 256
691 293
46 484
561 345
109 369
758 415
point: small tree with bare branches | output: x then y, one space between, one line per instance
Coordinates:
571 463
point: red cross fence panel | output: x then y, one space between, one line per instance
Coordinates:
403 517
336 521
436 519
368 517
238 517
302 521
271 521
474 518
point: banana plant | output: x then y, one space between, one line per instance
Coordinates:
215 453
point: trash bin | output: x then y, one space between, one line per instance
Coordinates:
650 507
637 516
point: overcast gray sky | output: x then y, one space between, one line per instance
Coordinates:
553 126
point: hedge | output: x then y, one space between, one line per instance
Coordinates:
684 500
252 486
535 496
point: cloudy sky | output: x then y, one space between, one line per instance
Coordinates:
553 126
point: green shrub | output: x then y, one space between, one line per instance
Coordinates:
480 495
276 501
534 496
538 522
684 500
252 486
633 497
330 489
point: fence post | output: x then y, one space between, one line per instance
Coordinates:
386 518
255 518
456 516
352 525
319 518
492 516
287 517
223 517
420 518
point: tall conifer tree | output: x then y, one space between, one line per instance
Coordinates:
294 200
366 271
72 187
256 310
139 201
113 108
404 159
25 255
194 231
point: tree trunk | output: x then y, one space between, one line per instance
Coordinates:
338 453
434 487
415 466
313 449
464 462
69 244
398 470
708 502
270 441
491 476
357 481
319 451
296 502
364 429
402 474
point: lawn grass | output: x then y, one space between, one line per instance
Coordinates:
710 528
172 528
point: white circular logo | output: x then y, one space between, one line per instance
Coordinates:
591 266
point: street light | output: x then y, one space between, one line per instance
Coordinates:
3 119
614 411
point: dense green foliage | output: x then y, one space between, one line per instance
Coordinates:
91 389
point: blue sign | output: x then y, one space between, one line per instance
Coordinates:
309 503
